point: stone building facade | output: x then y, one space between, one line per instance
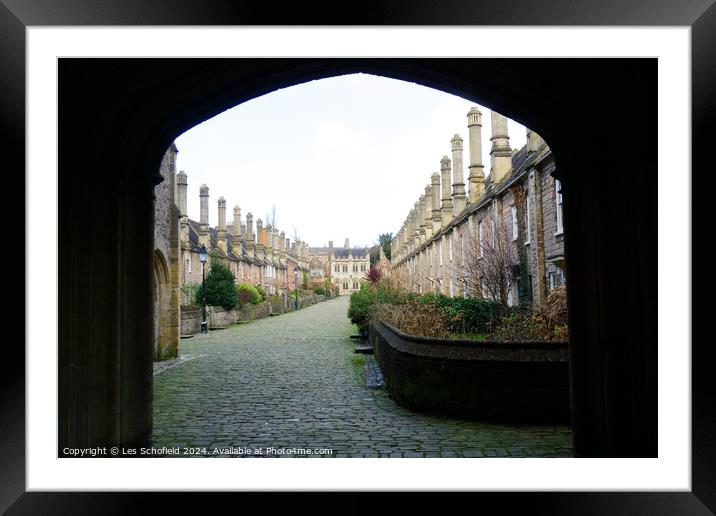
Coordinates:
344 267
260 255
167 272
510 221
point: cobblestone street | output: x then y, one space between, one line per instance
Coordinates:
290 382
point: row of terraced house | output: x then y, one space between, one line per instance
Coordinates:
501 237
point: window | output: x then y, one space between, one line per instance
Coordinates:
480 233
449 242
338 267
345 268
558 194
556 279
345 285
362 268
515 226
528 230
355 285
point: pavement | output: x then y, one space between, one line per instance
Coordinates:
288 386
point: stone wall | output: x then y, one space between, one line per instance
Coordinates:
166 266
218 317
190 320
249 312
526 382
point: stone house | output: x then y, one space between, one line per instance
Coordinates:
345 267
262 257
510 221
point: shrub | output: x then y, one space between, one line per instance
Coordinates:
319 291
188 293
467 315
247 293
373 275
218 287
261 292
546 322
365 300
416 317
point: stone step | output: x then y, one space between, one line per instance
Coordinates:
364 350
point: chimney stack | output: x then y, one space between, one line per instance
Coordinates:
446 208
249 227
501 154
458 187
427 213
221 229
477 172
181 193
204 216
347 244
534 141
236 228
436 219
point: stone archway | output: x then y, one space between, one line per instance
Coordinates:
165 325
612 294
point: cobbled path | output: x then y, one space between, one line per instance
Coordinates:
285 386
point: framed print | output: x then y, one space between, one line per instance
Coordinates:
106 110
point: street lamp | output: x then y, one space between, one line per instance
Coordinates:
203 255
295 299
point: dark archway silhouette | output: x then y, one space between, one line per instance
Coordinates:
117 117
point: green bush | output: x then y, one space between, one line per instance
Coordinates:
364 302
247 293
262 292
218 288
188 291
468 315
319 291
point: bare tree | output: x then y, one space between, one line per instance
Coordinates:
489 262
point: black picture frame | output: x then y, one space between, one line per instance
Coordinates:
16 15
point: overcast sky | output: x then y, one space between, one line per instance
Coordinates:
343 157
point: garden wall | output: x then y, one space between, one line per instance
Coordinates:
218 317
190 317
520 382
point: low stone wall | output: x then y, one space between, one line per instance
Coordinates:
219 318
520 382
190 318
250 312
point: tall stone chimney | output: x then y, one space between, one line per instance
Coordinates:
249 227
259 233
182 186
415 217
459 199
534 141
236 228
446 208
181 193
421 218
221 229
428 212
477 169
501 154
347 244
204 216
436 218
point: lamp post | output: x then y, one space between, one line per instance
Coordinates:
295 277
203 255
